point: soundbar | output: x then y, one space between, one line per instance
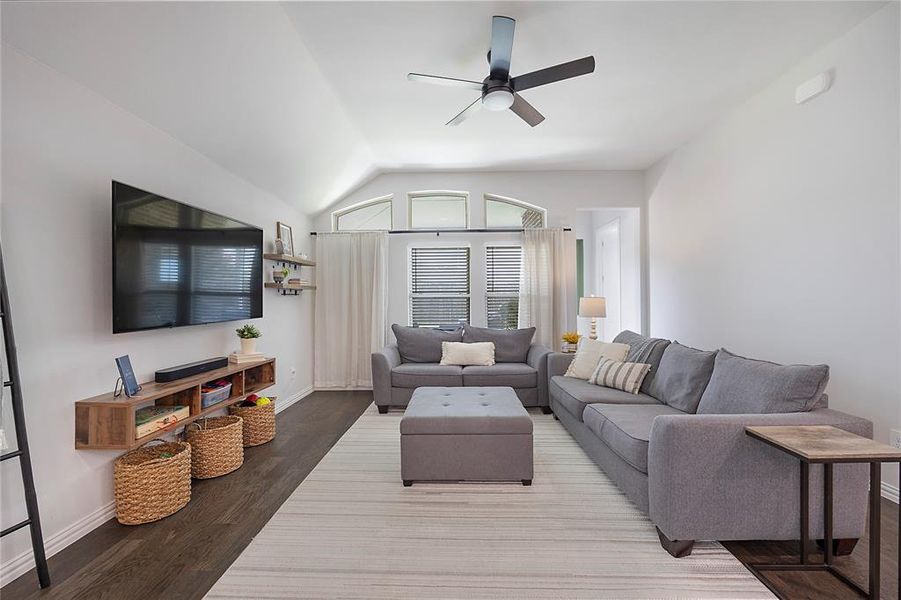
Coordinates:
194 368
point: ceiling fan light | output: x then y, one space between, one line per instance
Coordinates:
498 100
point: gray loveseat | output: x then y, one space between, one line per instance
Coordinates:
679 451
413 362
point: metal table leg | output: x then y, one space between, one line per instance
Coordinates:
805 510
875 504
827 513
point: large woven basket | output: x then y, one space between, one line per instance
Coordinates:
152 482
259 422
216 447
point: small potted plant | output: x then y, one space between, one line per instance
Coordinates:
248 334
278 275
570 341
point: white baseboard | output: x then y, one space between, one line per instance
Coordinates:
890 492
25 562
283 404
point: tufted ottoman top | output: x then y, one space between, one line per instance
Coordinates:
465 410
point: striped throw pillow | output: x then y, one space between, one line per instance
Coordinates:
625 376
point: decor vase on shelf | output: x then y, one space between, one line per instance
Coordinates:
279 274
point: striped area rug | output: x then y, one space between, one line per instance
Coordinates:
351 530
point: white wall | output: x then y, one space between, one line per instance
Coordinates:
775 233
565 195
62 144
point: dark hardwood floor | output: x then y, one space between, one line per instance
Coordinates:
823 586
181 557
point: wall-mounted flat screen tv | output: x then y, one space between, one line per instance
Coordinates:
176 265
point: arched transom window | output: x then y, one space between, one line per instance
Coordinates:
370 215
501 212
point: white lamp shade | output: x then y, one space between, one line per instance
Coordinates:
592 306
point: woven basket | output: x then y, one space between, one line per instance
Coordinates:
215 446
152 482
259 422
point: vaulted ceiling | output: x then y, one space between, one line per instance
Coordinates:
308 99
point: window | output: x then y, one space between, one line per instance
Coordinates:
439 286
439 210
365 216
502 264
507 212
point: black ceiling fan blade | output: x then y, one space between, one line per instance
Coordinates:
526 111
567 70
501 46
447 81
466 113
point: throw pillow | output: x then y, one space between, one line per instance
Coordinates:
744 385
589 353
682 376
510 345
643 349
625 376
462 354
422 345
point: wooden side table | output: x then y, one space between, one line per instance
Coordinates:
827 445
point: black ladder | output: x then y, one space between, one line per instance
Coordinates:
21 452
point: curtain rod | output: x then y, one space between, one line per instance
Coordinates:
440 231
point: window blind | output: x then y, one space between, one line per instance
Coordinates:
502 285
222 278
439 286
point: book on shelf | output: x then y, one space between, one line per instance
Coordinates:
238 358
154 418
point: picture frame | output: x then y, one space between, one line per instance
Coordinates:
286 235
127 377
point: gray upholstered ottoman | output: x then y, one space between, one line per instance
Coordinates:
465 434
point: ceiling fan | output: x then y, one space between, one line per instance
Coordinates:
499 90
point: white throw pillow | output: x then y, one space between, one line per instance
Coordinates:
589 354
463 354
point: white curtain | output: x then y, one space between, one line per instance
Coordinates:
351 307
547 284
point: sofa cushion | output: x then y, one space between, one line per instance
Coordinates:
413 375
422 345
626 429
743 385
575 395
643 349
515 375
682 376
510 345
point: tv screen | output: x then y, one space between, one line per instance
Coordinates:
176 265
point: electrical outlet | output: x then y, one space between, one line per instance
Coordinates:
894 437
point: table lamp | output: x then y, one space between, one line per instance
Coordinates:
593 307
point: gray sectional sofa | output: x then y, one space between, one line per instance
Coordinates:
413 362
679 451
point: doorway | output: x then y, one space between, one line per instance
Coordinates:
609 277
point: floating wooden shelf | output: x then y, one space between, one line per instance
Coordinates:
106 422
294 288
287 258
